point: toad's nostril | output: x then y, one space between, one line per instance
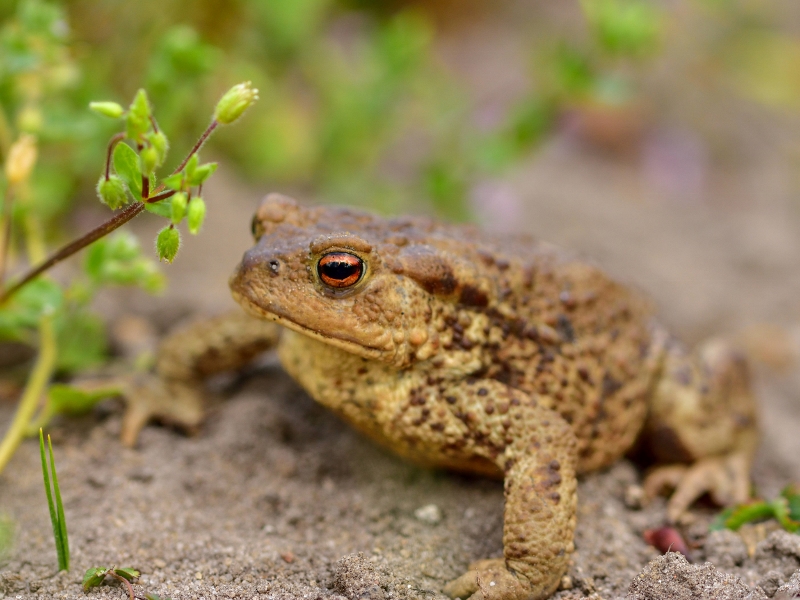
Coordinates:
274 266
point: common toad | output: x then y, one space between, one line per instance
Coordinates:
492 355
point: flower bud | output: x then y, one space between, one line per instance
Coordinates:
196 215
159 141
21 159
149 156
167 243
107 109
138 116
112 192
178 204
235 101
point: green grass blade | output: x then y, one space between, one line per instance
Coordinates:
50 505
62 522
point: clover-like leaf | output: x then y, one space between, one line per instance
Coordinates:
126 164
94 577
127 572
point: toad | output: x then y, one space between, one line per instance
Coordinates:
494 355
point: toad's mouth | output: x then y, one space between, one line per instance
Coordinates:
339 339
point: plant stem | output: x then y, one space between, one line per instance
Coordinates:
112 142
123 580
206 134
6 225
113 223
40 376
95 234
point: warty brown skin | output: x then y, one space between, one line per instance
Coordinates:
500 356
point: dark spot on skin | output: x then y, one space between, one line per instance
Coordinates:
555 497
458 328
362 371
489 409
554 465
466 344
564 327
451 399
483 391
583 373
437 426
683 375
472 296
610 385
515 402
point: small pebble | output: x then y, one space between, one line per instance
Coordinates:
429 513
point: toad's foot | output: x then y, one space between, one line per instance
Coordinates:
173 395
490 579
149 398
725 478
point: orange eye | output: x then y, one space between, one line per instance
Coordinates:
340 269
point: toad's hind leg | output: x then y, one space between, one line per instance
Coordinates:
184 359
702 424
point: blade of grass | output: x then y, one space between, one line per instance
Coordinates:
56 514
62 521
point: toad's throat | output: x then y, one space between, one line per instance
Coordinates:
338 339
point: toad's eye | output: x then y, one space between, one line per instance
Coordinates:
340 269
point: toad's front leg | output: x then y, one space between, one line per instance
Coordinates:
185 358
536 449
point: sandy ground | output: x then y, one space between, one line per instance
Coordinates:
276 498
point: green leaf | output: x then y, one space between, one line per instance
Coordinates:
94 577
734 517
82 341
24 311
69 400
201 173
127 572
126 164
174 182
167 244
162 208
792 495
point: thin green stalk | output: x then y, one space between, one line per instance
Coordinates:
34 389
57 518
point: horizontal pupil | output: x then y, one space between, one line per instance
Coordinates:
339 270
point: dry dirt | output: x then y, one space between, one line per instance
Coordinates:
276 498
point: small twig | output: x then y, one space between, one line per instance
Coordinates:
123 580
209 130
116 139
95 234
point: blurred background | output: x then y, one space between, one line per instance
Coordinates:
658 137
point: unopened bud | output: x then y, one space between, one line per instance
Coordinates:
161 144
196 215
107 109
178 203
149 158
21 159
235 101
112 192
167 243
